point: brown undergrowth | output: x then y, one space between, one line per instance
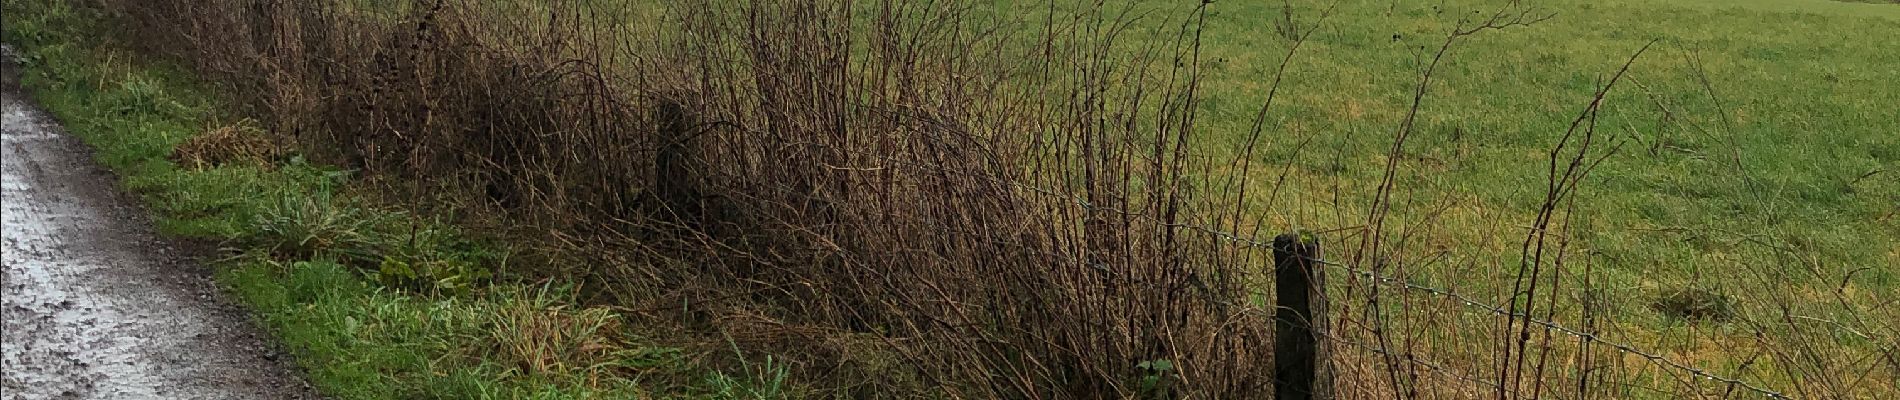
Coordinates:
906 197
242 143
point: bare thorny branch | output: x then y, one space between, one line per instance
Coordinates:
1372 240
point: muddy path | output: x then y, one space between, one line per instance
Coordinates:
97 306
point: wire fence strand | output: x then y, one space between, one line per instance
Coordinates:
1371 275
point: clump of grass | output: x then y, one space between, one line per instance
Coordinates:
543 335
764 381
360 342
1695 304
395 248
140 96
306 226
243 143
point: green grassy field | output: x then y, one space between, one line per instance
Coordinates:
1776 183
1803 99
1779 174
1758 144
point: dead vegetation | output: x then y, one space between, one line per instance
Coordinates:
540 336
903 195
242 143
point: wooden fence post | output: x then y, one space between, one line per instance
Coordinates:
1299 319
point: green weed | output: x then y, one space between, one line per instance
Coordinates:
768 381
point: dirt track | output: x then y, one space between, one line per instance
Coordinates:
95 305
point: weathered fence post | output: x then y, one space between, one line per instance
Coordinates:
1299 319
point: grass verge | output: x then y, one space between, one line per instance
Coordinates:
375 303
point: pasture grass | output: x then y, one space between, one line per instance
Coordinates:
1797 143
1760 145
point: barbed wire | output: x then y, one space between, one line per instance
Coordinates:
1553 326
1411 358
1372 275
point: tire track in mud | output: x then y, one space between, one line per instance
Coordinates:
94 304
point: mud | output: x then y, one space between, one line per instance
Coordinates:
97 306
